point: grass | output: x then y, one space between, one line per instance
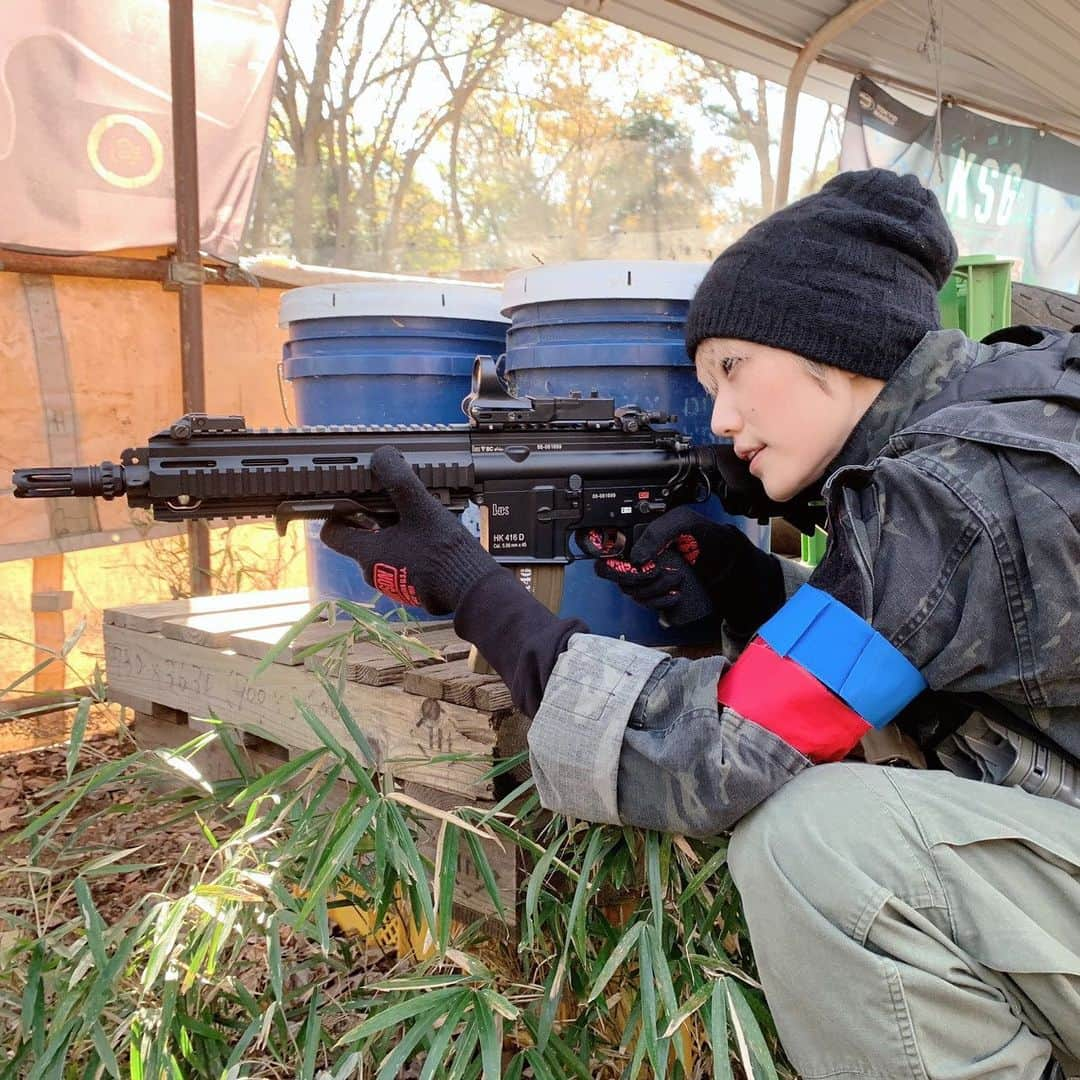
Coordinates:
632 957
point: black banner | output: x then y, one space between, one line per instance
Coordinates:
1007 190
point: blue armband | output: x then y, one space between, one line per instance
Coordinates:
845 653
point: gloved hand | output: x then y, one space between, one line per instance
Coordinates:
684 567
428 558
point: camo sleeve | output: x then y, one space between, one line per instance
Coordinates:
626 734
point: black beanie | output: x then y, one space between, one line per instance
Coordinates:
848 276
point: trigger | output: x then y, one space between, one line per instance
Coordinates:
601 543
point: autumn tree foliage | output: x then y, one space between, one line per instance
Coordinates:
444 136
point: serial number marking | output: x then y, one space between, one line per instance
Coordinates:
549 446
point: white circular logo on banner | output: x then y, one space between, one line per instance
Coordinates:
132 148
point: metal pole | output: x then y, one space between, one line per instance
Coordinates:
187 269
821 37
123 269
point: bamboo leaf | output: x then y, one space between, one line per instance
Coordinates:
290 635
652 869
753 1050
95 926
446 864
277 779
490 1031
274 960
332 744
503 1006
351 725
463 1050
689 1007
442 815
440 1044
536 881
78 730
718 1030
577 907
647 992
487 875
32 1016
707 871
390 1016
310 1039
616 959
339 854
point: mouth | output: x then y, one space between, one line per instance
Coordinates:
748 455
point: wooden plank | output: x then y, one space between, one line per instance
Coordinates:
49 634
213 630
454 682
257 643
149 617
58 408
372 665
405 731
493 696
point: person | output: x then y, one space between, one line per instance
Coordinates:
906 922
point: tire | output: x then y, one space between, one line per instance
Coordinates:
1036 306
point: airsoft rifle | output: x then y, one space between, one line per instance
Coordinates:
546 469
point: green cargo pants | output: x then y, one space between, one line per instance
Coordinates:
914 924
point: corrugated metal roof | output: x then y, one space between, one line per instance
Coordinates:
1015 58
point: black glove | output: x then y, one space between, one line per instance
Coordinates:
684 567
428 558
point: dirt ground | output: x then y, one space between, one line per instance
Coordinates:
32 759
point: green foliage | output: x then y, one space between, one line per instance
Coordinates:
631 960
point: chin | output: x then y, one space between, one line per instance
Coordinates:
779 491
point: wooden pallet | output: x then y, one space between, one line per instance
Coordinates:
199 658
180 662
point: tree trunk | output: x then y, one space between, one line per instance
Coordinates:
307 147
759 140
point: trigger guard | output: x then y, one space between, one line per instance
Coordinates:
618 542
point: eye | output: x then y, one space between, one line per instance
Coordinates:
728 364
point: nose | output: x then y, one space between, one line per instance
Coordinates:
726 421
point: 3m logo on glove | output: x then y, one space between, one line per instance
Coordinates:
393 581
820 677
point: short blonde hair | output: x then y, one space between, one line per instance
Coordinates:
816 370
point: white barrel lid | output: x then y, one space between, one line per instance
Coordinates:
401 299
603 279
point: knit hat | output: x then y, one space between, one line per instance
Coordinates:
848 276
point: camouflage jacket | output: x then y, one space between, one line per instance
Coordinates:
954 524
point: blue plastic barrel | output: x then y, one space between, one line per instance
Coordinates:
385 353
616 327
